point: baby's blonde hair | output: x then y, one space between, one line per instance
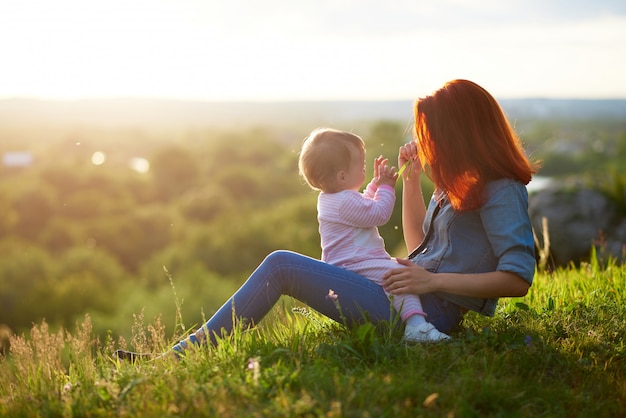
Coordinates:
324 153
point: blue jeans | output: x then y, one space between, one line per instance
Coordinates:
309 280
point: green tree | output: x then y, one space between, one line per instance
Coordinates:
9 215
61 234
205 204
132 238
174 171
35 207
26 273
86 280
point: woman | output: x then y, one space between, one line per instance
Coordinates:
472 245
480 242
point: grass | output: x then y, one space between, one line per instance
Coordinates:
558 352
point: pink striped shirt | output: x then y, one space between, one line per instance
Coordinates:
348 223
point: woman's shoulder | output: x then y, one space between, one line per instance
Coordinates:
504 185
505 192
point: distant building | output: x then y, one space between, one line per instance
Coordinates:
17 159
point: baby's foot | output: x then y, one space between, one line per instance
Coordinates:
424 333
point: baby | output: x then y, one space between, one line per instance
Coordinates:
333 162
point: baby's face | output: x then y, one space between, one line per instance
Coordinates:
355 176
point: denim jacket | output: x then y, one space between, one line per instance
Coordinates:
496 237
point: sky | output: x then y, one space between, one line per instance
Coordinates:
259 50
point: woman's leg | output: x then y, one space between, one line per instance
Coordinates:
444 315
309 281
305 279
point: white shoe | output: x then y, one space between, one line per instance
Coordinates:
424 333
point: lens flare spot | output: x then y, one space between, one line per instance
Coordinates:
140 165
98 158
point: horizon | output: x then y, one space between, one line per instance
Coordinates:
323 50
161 112
283 101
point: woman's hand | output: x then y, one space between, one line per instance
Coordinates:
410 279
408 152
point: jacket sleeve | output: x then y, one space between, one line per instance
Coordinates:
507 224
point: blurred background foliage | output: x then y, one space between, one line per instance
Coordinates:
78 237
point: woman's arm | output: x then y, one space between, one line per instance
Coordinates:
412 279
413 207
413 212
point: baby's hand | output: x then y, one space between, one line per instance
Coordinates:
378 161
384 174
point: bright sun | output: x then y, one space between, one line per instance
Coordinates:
67 49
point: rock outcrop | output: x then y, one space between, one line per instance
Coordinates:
578 218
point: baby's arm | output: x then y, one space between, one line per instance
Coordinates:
360 211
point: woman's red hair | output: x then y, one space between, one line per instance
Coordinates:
465 138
